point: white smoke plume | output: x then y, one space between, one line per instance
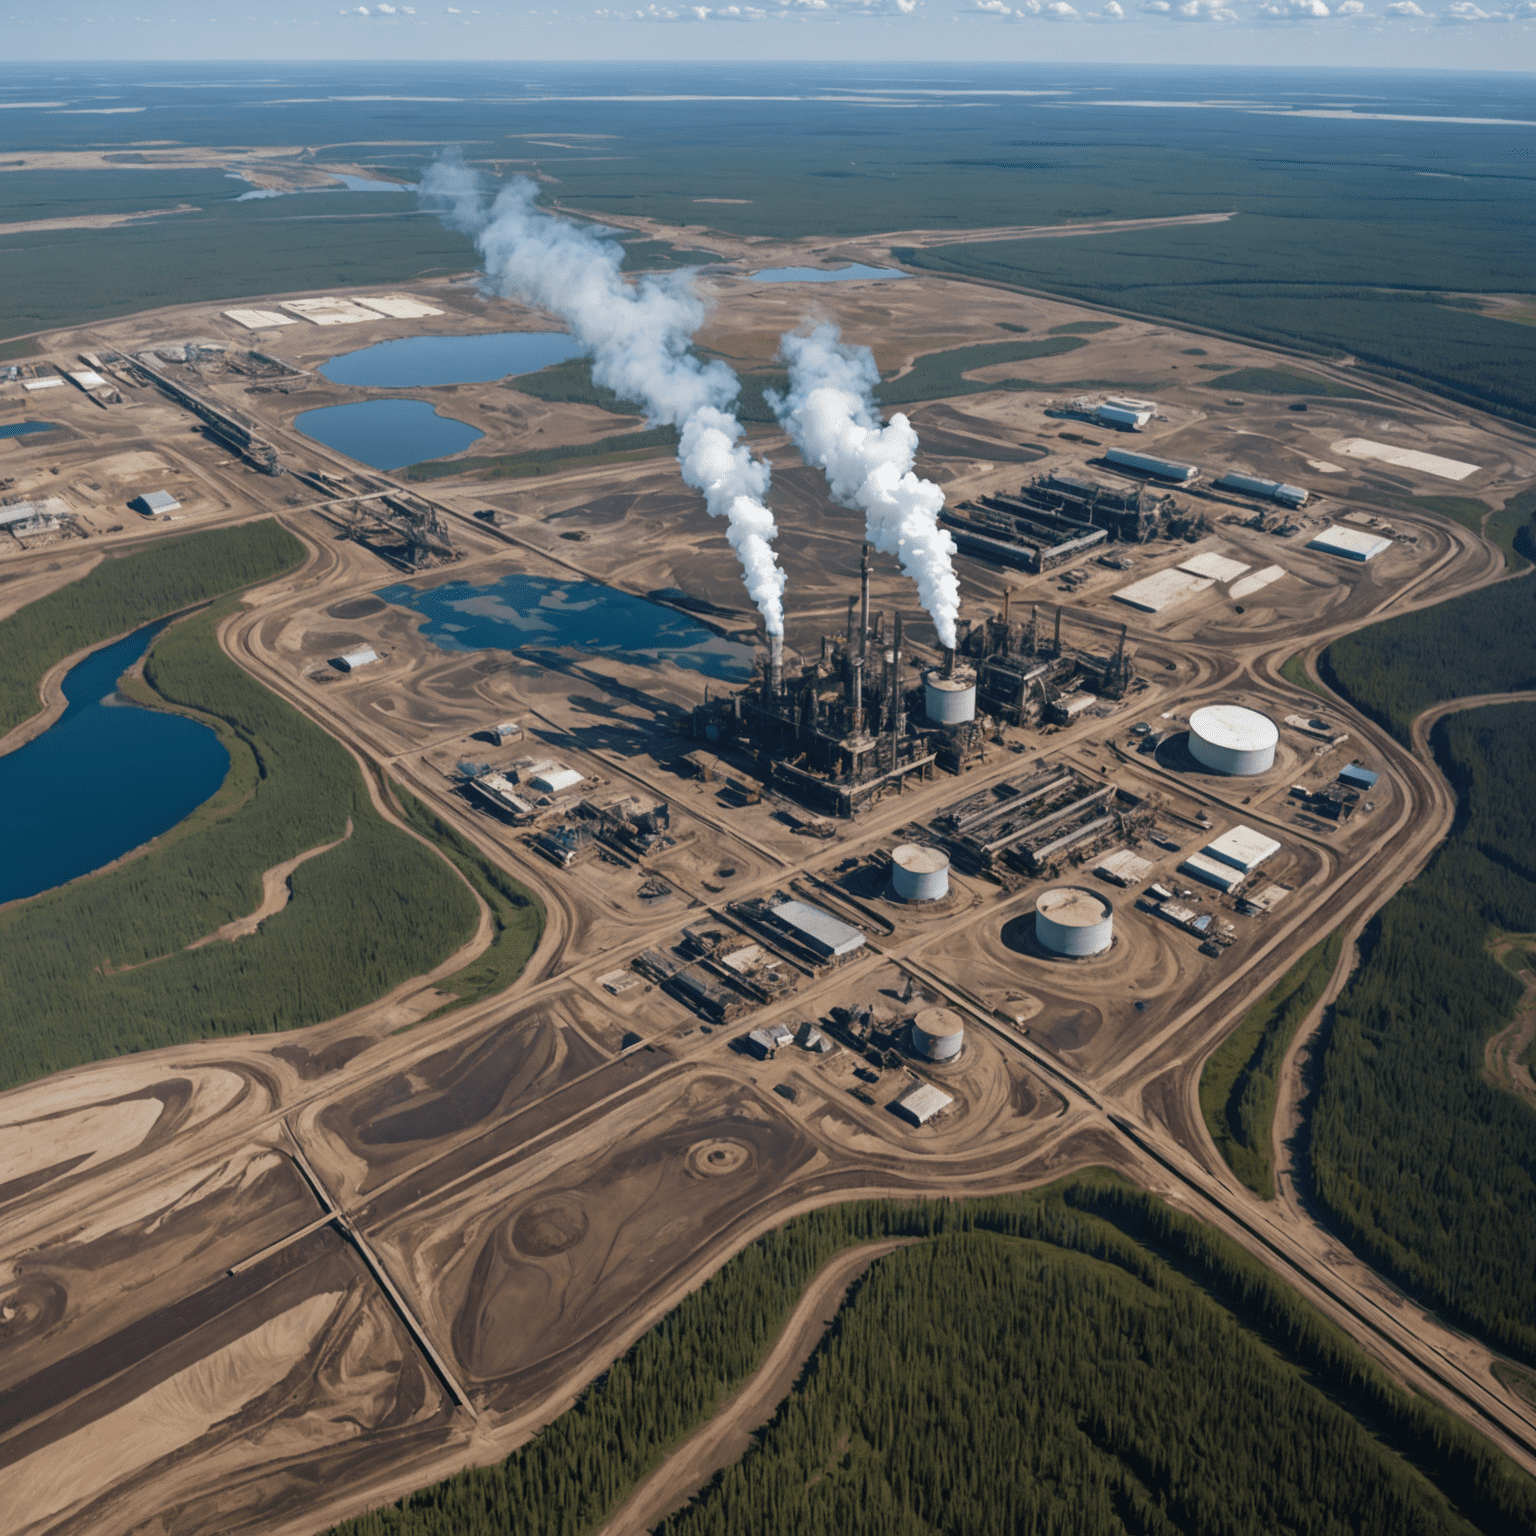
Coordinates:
638 335
830 413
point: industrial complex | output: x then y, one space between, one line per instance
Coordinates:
836 910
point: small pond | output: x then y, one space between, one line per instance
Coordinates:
105 777
24 428
387 434
417 361
522 612
849 274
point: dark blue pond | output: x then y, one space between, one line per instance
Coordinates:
387 433
416 361
103 778
539 612
22 428
849 274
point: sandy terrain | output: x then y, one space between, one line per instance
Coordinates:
447 1230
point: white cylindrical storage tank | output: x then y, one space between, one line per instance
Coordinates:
919 873
950 700
1071 920
1231 739
938 1034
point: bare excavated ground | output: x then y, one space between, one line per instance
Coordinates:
256 1284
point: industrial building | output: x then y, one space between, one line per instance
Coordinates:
1242 848
155 503
938 1034
352 660
1212 872
500 794
1358 777
1228 738
1163 589
919 873
1059 516
820 932
1031 827
1152 468
1127 414
1349 543
1073 921
1270 490
921 1102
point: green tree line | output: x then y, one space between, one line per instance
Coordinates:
1051 1361
1426 1168
126 591
1482 642
1241 1081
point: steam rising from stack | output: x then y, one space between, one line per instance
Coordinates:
830 413
638 335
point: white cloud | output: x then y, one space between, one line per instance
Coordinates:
386 10
1350 8
1205 10
1465 11
1403 8
1291 10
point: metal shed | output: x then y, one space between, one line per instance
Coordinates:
355 659
1357 777
921 1102
156 503
822 932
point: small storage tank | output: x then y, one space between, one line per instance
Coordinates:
1231 739
950 700
919 873
938 1034
1071 920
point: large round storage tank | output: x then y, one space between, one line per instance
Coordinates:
950 700
1070 920
919 873
938 1034
1231 739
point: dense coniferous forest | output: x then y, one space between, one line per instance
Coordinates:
517 915
1483 642
1241 1080
983 1385
100 967
123 593
1425 1167
1083 1353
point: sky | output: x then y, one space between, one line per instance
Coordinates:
1455 34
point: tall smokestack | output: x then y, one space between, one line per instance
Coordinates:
1007 604
848 637
864 601
949 661
776 665
856 695
1057 646
895 690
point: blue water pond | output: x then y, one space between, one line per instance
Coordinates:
105 777
522 612
417 361
849 274
23 428
387 433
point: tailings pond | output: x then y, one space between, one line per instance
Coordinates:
533 613
387 434
415 362
105 777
